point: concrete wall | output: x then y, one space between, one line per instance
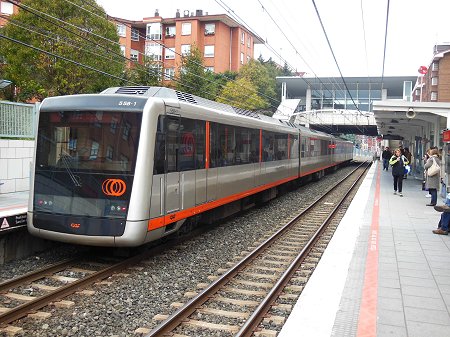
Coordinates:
15 160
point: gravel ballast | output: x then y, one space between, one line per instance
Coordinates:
131 302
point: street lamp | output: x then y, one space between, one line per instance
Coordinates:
4 83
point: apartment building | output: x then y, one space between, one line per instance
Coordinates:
224 43
433 85
6 9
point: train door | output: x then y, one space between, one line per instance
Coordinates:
172 193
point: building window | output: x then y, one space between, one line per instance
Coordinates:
434 81
154 31
6 8
121 29
185 49
109 153
211 69
153 50
242 58
435 66
170 31
126 131
248 59
134 34
249 41
242 38
169 73
113 125
134 55
186 28
417 92
94 151
209 51
122 50
170 54
210 28
434 96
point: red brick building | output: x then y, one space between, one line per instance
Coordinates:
434 86
6 9
224 43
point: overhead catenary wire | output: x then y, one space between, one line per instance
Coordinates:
385 42
65 59
31 10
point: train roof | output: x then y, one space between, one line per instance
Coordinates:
168 93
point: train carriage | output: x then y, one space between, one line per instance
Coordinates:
131 164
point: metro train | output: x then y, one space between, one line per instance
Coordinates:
134 164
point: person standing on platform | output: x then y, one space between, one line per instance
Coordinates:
386 155
398 162
408 156
432 181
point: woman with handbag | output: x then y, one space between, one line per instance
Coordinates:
433 175
398 163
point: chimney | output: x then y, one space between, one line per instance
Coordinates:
156 13
198 12
177 15
186 13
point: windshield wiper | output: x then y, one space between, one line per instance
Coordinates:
66 160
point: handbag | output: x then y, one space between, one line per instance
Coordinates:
434 169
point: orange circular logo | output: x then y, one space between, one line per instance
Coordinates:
114 187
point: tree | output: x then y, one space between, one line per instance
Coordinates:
191 74
241 93
263 80
38 75
144 74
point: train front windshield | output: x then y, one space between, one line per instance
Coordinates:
85 163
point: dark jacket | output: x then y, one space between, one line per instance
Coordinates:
386 154
398 165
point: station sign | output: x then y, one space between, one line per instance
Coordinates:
13 221
446 136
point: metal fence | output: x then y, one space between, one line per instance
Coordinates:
17 120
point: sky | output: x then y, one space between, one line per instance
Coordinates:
355 29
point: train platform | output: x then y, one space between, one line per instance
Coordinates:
384 272
13 209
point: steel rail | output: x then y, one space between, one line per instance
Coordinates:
41 301
36 275
255 319
191 306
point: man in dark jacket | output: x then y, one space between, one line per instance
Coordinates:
386 155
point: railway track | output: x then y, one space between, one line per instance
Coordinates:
274 271
27 294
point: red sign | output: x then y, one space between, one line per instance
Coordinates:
423 70
332 146
446 136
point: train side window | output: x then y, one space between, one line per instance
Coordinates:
213 145
186 158
200 140
227 145
243 141
281 146
160 148
312 147
268 146
172 143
